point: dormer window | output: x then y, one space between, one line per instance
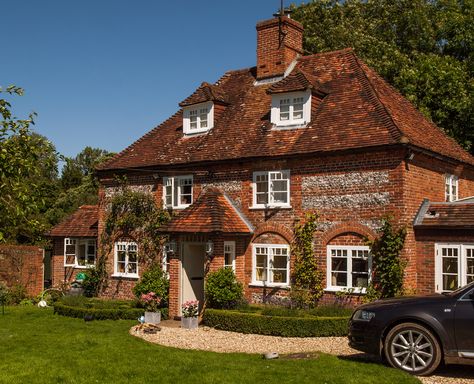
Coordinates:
198 118
291 110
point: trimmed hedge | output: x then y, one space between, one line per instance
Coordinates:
276 325
98 313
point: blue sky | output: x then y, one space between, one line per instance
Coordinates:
104 72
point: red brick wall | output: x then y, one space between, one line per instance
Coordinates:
22 265
423 178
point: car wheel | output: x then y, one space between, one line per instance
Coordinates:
412 348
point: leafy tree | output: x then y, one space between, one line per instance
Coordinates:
27 164
424 48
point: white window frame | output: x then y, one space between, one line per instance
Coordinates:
271 203
229 247
196 108
269 270
176 193
291 122
451 187
127 244
462 271
77 242
350 286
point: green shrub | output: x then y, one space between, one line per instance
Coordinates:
98 313
153 280
14 295
276 325
223 290
92 282
100 309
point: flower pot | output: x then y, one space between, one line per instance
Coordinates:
189 322
152 317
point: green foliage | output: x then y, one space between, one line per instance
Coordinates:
13 295
92 282
307 287
387 265
255 323
423 48
26 160
223 290
319 311
97 313
153 280
135 215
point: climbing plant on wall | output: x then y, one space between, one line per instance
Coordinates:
132 215
307 286
387 265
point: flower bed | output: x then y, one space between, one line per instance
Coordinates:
279 321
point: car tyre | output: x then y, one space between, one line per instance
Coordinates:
412 348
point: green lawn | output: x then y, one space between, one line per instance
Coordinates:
39 347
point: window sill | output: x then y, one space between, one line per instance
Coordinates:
283 127
264 207
125 276
196 132
256 284
79 266
355 291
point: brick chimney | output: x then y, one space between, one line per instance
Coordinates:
279 42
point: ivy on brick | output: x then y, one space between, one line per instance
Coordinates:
388 267
307 287
132 215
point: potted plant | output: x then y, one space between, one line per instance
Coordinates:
151 302
189 318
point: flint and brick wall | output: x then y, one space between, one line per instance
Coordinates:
351 193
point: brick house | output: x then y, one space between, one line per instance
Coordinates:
245 157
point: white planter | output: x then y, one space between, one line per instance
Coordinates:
189 322
152 317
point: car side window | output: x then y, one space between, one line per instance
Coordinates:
468 296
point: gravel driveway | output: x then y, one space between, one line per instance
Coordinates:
209 339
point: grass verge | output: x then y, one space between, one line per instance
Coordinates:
39 347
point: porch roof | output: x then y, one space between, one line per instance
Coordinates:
211 212
456 214
81 223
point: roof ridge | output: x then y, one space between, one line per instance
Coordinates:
393 124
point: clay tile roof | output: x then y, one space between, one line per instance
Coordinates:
360 110
81 223
211 212
205 92
456 214
297 80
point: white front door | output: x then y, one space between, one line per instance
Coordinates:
192 287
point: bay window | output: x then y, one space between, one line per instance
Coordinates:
79 252
454 266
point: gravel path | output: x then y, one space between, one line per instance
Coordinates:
209 339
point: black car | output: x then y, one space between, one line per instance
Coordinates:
417 333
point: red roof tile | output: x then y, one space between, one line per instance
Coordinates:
206 92
297 80
211 212
81 223
360 110
457 214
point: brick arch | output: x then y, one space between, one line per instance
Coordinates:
347 227
278 229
